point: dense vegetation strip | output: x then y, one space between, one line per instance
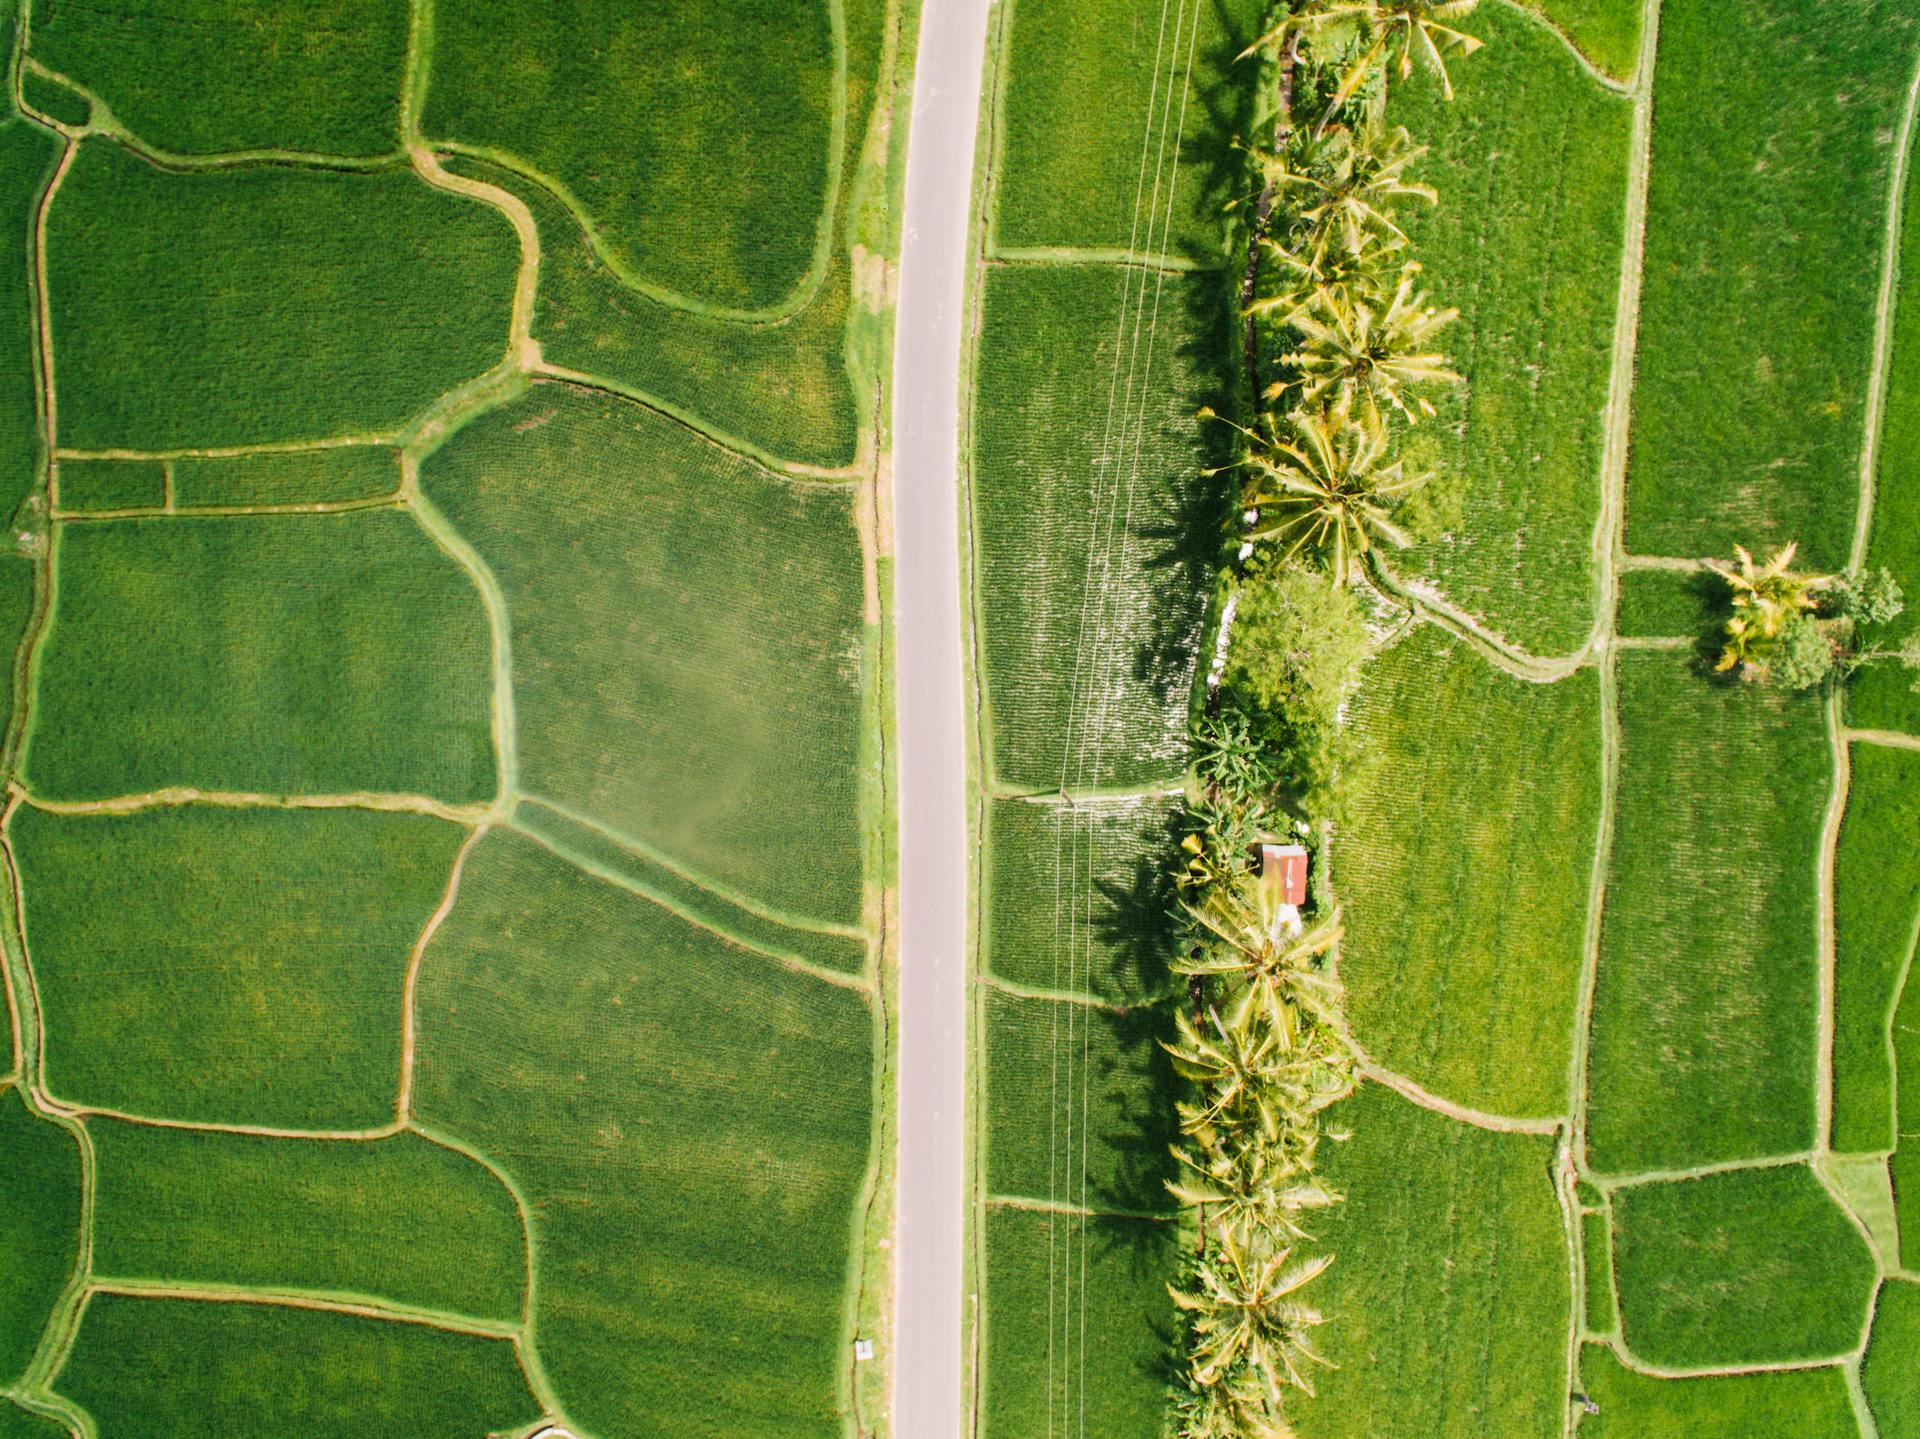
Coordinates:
1339 348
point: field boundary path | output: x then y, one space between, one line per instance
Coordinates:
934 256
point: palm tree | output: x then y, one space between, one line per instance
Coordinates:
1354 350
1765 598
1363 178
1242 939
1417 27
1235 1060
1244 1313
1254 1186
1328 489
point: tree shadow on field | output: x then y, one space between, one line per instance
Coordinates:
1223 89
1137 918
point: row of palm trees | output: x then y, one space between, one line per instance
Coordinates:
1341 349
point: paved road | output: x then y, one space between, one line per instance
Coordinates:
933 828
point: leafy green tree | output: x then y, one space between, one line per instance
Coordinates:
1873 598
1805 654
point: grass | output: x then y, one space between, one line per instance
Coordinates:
26 158
1449 1295
264 304
1530 161
1079 899
1772 142
401 1219
1079 1327
1086 88
1673 604
176 1369
1089 606
1607 32
272 653
713 187
239 966
302 477
1905 1164
1806 1403
690 1125
265 76
1876 906
1705 1006
1747 1266
39 1226
1079 1104
1883 696
1464 873
110 484
1892 1357
1596 1238
686 637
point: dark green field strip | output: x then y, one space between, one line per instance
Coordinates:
1876 899
1530 161
1706 1003
52 98
1078 897
1893 1359
111 484
1092 569
1883 696
1806 1403
691 1131
1596 1238
299 477
278 654
1464 871
1087 85
1079 1328
1079 1104
260 305
39 1226
182 1369
237 966
1747 1266
1671 604
698 139
26 161
1449 1297
401 1220
16 608
1905 1164
686 639
18 1423
1771 148
1607 32
203 76
598 853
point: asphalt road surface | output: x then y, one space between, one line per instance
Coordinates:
934 258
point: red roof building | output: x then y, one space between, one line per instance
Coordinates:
1283 870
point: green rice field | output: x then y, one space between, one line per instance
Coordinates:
447 948
1887 1375
1806 1402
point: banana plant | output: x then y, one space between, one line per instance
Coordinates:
1765 597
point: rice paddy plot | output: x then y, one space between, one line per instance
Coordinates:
276 654
1607 32
400 1219
1094 527
26 161
1464 873
1882 696
1079 896
91 485
1079 1328
1087 88
1772 146
296 477
1876 900
1806 1403
1079 1104
1741 1267
690 1124
704 163
1672 604
264 304
1893 1358
1706 1002
1596 1238
686 632
183 1369
266 74
1448 1298
55 99
236 966
16 608
40 1218
1530 160
1905 1164
18 1423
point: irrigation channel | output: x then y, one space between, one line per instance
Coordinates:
934 256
